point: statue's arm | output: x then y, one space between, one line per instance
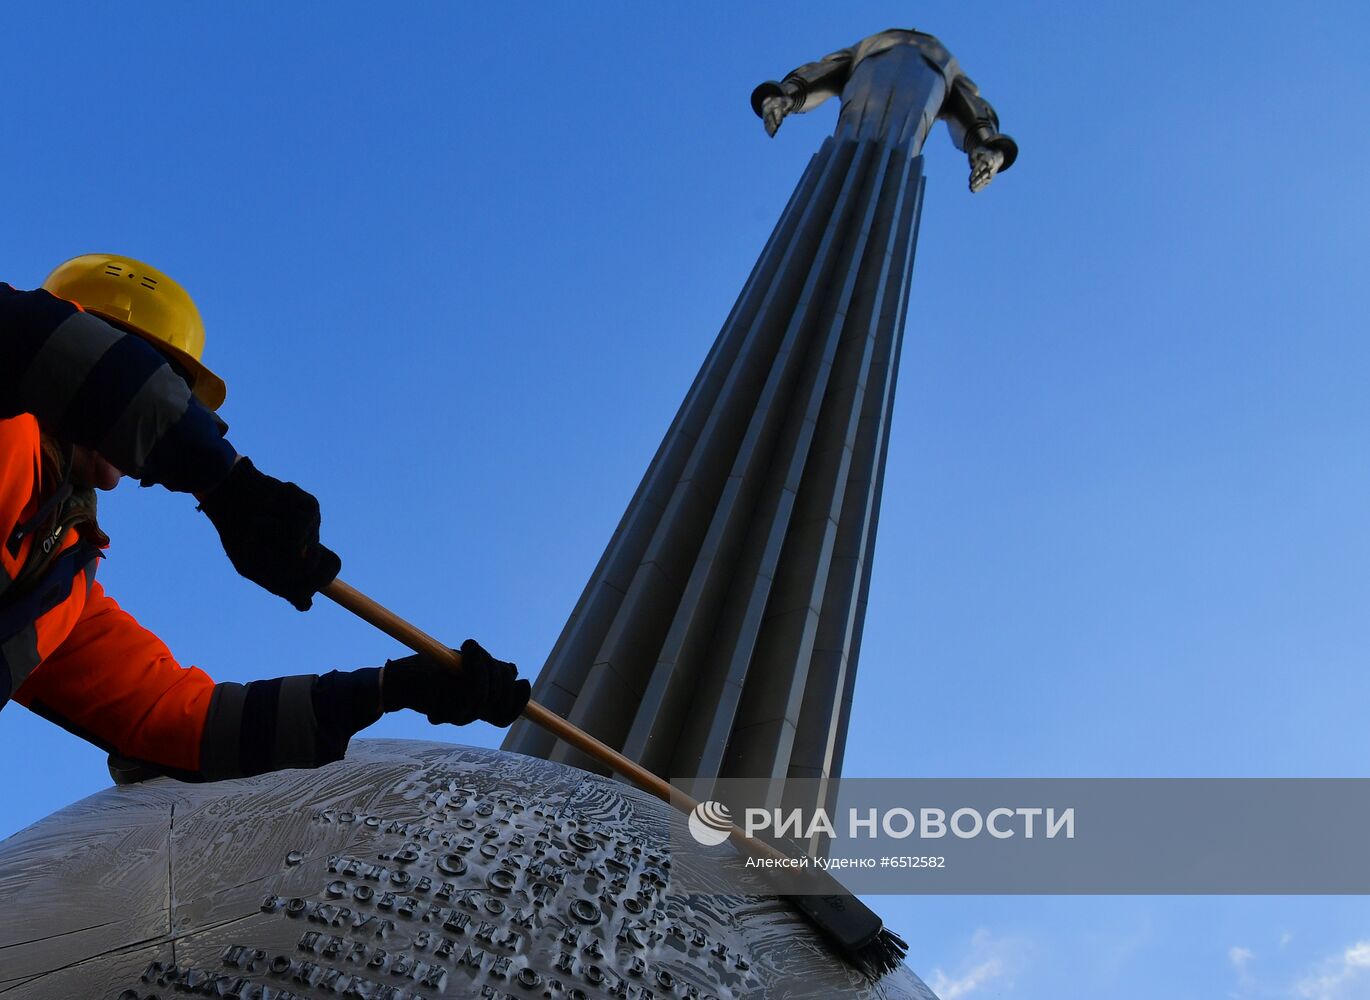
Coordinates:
802 89
974 128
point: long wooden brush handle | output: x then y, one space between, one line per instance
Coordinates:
421 642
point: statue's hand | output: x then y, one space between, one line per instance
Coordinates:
984 164
773 112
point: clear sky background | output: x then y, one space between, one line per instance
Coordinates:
459 265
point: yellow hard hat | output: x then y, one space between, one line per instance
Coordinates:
144 301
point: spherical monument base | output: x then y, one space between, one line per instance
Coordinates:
409 870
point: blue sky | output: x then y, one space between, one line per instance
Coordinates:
459 265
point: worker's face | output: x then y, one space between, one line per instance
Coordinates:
89 468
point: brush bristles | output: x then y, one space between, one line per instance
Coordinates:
883 954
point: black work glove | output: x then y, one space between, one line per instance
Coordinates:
270 531
484 688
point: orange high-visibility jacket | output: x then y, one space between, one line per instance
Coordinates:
79 659
70 653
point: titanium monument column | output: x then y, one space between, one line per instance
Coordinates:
720 632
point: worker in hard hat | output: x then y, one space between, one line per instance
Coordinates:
101 376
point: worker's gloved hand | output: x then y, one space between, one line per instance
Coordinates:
270 531
484 688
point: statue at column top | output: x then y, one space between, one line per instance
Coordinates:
893 85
